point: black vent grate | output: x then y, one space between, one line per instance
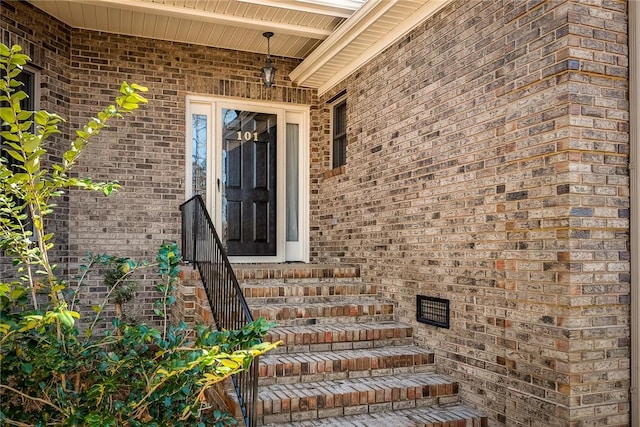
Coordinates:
432 311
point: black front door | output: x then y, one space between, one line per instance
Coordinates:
249 193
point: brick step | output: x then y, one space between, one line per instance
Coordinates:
256 272
276 291
454 415
298 300
330 365
344 360
294 402
344 336
348 309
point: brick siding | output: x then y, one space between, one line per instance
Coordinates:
487 164
145 151
23 25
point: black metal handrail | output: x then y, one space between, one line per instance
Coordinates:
202 246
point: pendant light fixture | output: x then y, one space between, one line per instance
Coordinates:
268 71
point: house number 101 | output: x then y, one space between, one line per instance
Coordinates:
248 136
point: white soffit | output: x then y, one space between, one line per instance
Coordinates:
339 8
332 37
229 24
370 30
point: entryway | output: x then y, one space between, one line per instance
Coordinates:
250 163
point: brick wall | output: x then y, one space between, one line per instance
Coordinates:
487 164
23 25
145 151
192 305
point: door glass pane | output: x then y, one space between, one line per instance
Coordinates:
292 181
199 155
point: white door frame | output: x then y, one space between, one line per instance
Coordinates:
286 113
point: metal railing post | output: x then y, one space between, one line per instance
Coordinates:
194 233
225 297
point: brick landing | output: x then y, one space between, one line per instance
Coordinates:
344 361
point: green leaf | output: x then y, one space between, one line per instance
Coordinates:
41 117
136 98
25 126
9 136
15 155
139 88
65 318
129 106
32 165
19 96
19 59
14 72
70 156
24 115
186 410
16 293
7 115
31 144
230 363
57 288
4 329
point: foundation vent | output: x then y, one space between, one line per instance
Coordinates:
432 311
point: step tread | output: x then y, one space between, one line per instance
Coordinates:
278 271
413 417
333 365
350 385
336 329
308 282
306 357
344 310
298 300
345 300
345 307
340 336
314 291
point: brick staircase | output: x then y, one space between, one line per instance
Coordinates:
344 361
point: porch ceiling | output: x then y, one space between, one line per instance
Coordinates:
332 37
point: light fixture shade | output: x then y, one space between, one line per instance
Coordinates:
268 73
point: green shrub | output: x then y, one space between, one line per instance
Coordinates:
132 375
